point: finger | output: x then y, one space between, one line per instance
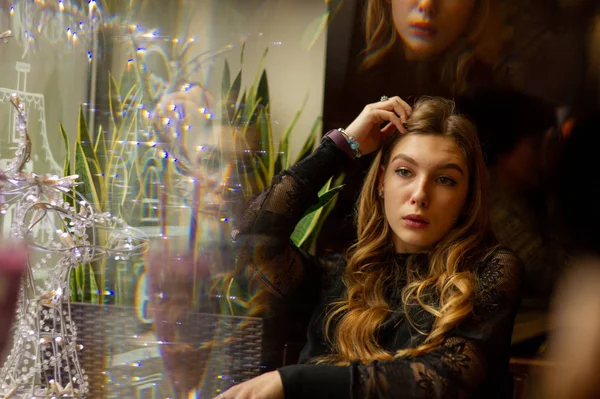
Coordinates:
231 393
406 106
401 112
400 103
388 116
397 105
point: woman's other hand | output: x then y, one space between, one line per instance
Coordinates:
366 128
266 386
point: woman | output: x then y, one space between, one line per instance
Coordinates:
424 304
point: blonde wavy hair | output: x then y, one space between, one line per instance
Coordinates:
370 270
487 35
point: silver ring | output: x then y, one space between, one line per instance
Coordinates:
221 396
384 98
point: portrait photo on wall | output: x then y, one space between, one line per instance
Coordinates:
519 70
455 48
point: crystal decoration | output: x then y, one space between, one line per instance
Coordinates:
43 361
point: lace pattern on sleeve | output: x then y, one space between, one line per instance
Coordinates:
262 237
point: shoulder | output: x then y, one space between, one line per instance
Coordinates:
498 281
501 268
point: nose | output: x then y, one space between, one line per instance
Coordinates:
426 7
420 195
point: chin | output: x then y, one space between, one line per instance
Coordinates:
419 53
416 242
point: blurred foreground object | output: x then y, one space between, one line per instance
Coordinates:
171 278
575 340
203 350
12 268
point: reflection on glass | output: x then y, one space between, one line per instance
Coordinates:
172 125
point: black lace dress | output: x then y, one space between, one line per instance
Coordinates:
472 362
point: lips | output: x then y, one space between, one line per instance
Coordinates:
422 28
415 221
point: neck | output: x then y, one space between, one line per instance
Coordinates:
404 248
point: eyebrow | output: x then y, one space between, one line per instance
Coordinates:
449 165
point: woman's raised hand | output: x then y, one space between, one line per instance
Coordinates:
366 127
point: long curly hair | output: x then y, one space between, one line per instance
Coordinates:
370 273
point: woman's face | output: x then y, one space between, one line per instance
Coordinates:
425 186
429 27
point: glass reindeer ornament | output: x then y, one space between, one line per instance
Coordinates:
63 230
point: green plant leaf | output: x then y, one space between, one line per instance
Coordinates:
262 91
125 126
235 297
124 189
230 93
311 242
129 79
93 166
239 110
233 94
225 81
266 144
114 99
231 296
246 169
260 172
283 155
326 194
261 66
84 137
82 168
67 165
130 102
249 110
75 297
100 149
95 293
115 166
80 282
309 221
309 144
258 95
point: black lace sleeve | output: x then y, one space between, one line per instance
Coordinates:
263 237
466 365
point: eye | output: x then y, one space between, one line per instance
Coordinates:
403 172
446 181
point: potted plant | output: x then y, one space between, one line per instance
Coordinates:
220 296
